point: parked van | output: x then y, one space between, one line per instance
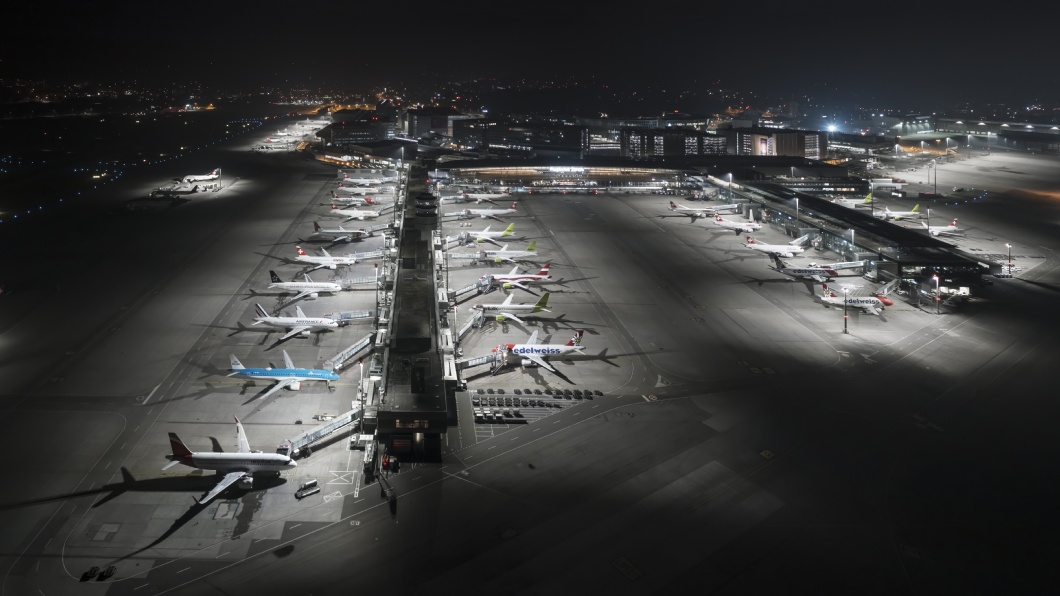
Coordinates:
898 193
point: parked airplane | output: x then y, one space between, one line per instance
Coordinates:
532 353
697 212
866 202
323 261
295 325
239 466
511 256
281 133
287 377
736 226
785 250
948 230
380 179
277 141
486 235
214 175
870 304
339 234
349 214
818 274
519 280
914 213
354 201
304 289
483 213
506 310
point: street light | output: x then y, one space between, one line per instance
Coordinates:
937 297
360 396
730 185
845 291
935 166
796 213
1009 246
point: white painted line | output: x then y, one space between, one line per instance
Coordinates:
536 429
143 586
491 447
295 526
148 398
183 570
221 555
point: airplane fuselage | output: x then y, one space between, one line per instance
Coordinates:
306 286
242 462
280 374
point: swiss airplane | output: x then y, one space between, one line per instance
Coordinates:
872 305
339 234
354 201
698 212
483 213
382 179
304 289
287 377
948 230
239 466
295 325
349 214
785 250
532 353
519 280
736 226
506 309
324 261
214 175
914 213
817 274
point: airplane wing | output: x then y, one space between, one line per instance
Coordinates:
538 361
244 445
287 362
283 384
229 479
293 332
490 240
317 266
533 338
872 309
509 315
301 295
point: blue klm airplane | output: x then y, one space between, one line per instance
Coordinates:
288 377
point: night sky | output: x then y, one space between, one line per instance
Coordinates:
934 51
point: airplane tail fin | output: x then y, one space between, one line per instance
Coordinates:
369 201
916 208
180 450
126 476
672 206
533 245
260 311
509 230
301 252
577 339
298 312
275 278
234 362
544 269
542 302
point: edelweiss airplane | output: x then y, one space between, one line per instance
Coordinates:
339 234
483 213
736 226
505 309
817 274
295 325
948 230
519 280
532 353
870 304
288 377
214 175
353 213
511 256
354 201
325 261
697 212
914 213
304 289
785 250
486 235
237 467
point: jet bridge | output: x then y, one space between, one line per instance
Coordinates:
491 359
481 285
297 445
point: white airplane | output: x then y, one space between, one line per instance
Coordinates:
914 213
295 325
478 197
866 202
326 260
532 353
697 212
519 280
785 250
506 310
354 201
947 230
483 213
487 235
503 254
339 234
736 226
381 179
349 214
872 305
287 377
281 133
239 466
214 175
304 289
817 274
277 141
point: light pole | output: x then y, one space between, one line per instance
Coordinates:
1009 246
845 291
730 185
853 249
935 166
937 297
796 214
360 397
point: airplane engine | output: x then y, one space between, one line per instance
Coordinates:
246 482
296 386
499 318
498 260
507 286
312 295
527 363
332 267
